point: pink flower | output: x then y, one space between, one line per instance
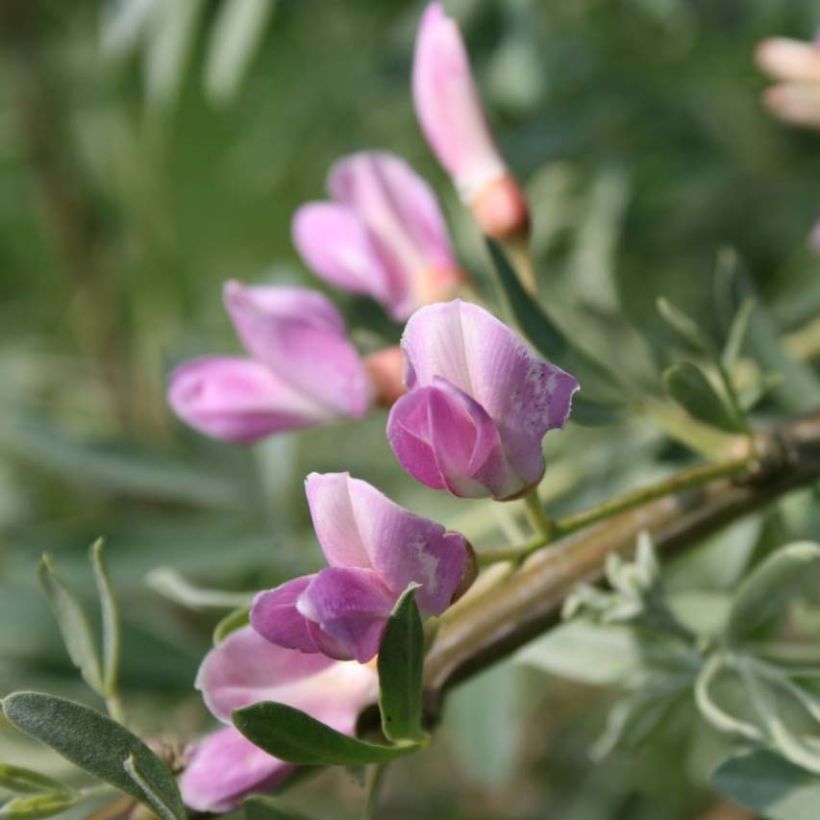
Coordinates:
375 549
452 119
795 98
302 369
245 669
382 234
479 404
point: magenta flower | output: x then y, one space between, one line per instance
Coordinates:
451 116
302 369
382 234
225 767
375 549
479 404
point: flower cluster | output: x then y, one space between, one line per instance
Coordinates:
470 401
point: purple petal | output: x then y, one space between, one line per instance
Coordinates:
524 395
351 606
359 527
405 221
337 245
250 305
224 767
245 669
275 617
448 106
237 400
440 433
301 338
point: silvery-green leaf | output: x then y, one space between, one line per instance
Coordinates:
602 655
24 781
38 805
236 35
763 593
73 625
762 781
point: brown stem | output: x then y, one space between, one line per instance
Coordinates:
529 602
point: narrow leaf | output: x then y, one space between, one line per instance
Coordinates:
94 743
766 589
236 35
73 625
24 781
263 808
177 588
401 658
548 339
298 738
110 618
686 327
230 623
156 801
768 785
688 385
737 333
38 805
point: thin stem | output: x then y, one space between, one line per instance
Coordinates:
374 791
539 519
683 480
114 706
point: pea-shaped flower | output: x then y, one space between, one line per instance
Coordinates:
479 404
302 369
451 116
375 549
245 669
382 234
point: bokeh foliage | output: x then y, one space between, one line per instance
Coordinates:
638 129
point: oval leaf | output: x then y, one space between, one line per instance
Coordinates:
769 785
298 738
401 658
689 386
766 589
93 742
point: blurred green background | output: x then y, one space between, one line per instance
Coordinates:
149 151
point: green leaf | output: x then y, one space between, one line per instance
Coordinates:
263 808
73 625
583 651
174 586
159 805
110 618
298 738
768 587
236 34
799 390
688 385
24 781
686 327
230 623
548 339
38 805
401 658
768 785
737 333
94 743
